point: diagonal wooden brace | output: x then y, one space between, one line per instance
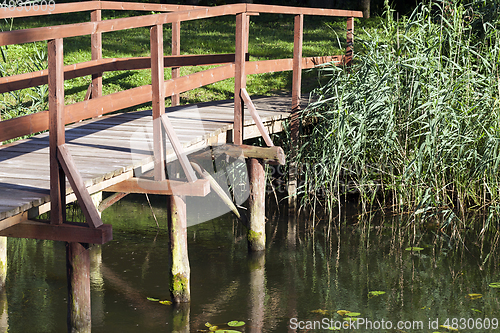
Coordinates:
256 117
179 151
75 179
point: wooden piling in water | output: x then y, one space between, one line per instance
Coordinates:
256 235
180 270
78 274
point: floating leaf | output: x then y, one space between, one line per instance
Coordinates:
351 319
474 296
227 331
207 324
333 328
448 327
495 285
343 312
153 299
476 310
236 323
165 302
353 314
213 328
320 311
414 249
375 293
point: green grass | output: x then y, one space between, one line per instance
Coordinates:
271 37
415 124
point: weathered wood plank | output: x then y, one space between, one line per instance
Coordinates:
198 188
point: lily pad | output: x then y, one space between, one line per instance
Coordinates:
476 310
449 328
414 249
474 296
227 331
165 302
236 323
495 285
343 312
353 314
153 299
351 319
375 293
320 311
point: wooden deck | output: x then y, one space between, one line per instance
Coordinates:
112 148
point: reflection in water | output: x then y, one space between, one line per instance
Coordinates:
257 292
309 272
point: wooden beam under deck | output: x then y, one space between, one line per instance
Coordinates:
66 232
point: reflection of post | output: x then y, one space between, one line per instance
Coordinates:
257 206
3 261
257 291
97 283
180 322
78 274
4 313
96 54
180 270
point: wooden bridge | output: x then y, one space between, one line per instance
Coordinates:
92 149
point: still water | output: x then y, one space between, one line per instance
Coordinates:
309 272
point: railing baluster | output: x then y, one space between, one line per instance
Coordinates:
240 78
349 41
56 129
176 50
96 53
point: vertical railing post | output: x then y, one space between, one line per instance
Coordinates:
240 78
297 62
56 129
176 50
349 41
158 99
96 54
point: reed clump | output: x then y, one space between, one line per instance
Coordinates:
414 124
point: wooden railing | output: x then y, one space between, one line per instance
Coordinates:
234 65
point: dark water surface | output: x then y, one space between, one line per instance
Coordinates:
305 276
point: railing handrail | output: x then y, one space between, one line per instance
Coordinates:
81 29
99 105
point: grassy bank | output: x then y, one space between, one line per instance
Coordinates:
414 125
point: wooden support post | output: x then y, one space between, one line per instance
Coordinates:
78 274
349 41
294 119
3 261
257 206
240 79
96 53
180 270
176 50
158 98
56 129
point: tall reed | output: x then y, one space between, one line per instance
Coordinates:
415 123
